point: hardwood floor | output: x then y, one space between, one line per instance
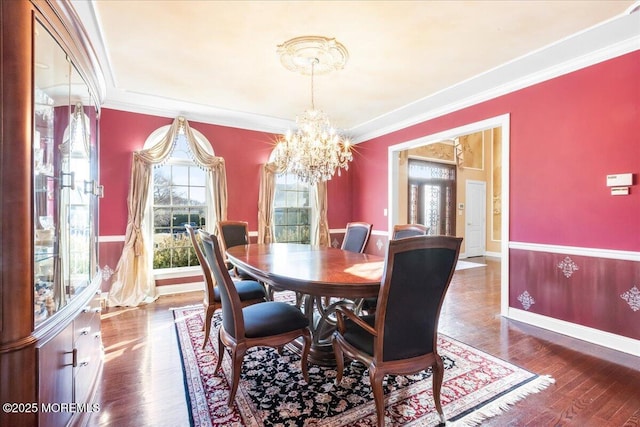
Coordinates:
142 383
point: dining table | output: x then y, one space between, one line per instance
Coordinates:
321 277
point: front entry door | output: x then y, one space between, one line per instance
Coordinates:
432 196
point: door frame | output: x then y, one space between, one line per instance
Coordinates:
393 158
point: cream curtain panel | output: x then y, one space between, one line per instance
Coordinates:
319 226
265 202
320 229
133 278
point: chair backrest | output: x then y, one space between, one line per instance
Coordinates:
232 318
206 270
416 277
356 236
400 231
233 233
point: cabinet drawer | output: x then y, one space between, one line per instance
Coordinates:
88 346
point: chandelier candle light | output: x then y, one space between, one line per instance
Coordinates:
315 150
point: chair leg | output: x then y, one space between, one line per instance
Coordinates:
438 378
304 359
375 378
207 324
220 353
337 351
237 354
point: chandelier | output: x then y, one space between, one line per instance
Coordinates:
315 150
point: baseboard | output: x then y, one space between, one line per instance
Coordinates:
584 333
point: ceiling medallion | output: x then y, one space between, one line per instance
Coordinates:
326 54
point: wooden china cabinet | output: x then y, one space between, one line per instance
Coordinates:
50 342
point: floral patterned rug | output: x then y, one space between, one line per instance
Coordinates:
273 393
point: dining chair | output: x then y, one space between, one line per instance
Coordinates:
356 236
233 233
270 324
249 291
402 336
401 231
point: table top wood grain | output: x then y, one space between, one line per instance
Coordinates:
311 270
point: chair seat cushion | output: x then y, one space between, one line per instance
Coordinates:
272 318
358 337
247 290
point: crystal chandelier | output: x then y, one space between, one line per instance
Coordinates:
315 150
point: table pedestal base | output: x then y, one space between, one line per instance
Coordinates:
321 314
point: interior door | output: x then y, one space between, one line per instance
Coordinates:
475 228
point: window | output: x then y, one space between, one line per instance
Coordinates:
179 198
292 210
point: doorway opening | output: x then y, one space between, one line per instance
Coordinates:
498 183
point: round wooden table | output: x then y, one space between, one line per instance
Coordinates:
323 277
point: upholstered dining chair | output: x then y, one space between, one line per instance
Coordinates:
271 323
402 336
356 236
401 231
249 291
233 233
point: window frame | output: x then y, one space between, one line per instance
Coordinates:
310 208
148 221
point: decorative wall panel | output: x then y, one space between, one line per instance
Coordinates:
599 293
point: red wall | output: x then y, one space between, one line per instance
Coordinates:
567 134
244 152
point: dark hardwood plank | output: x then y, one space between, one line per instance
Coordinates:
142 383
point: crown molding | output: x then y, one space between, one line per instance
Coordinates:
606 41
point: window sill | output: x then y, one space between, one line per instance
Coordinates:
173 273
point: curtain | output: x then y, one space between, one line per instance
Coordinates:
265 202
320 229
318 193
133 278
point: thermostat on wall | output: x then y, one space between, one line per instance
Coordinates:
619 180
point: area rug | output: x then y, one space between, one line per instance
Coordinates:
272 391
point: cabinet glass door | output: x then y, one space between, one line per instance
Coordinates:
77 196
51 111
64 145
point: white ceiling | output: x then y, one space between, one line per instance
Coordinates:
216 61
